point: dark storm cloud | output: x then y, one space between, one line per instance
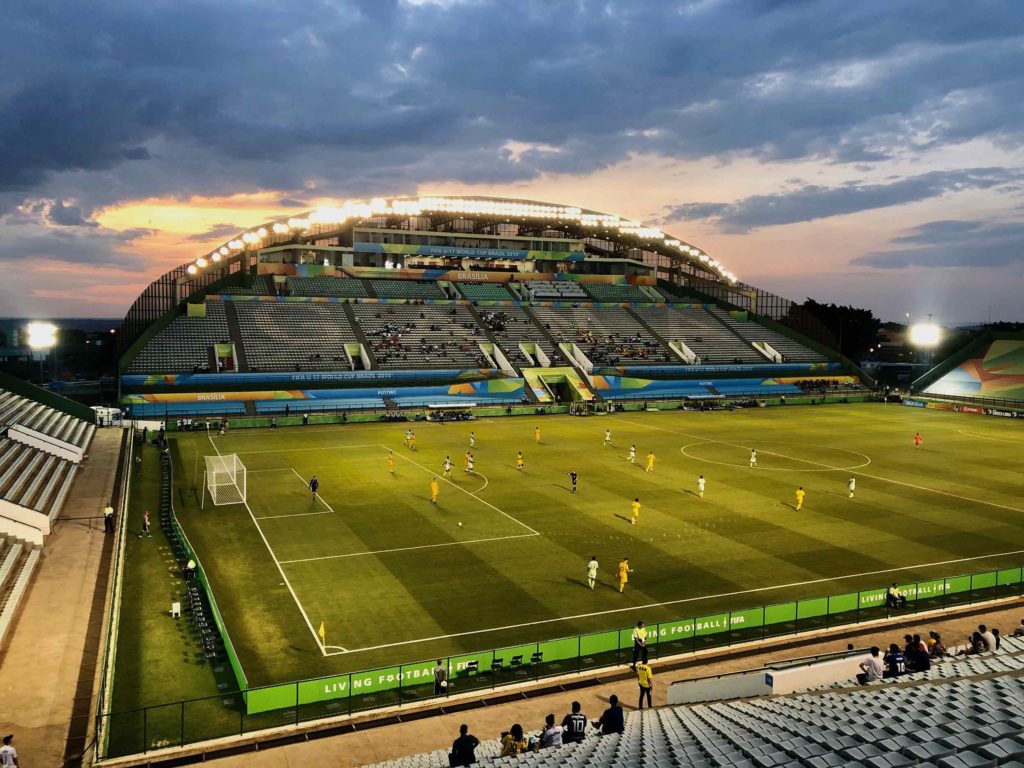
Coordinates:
191 97
810 202
952 243
68 215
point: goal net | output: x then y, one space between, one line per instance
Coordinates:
225 479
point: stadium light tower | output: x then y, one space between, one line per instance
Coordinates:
926 336
42 337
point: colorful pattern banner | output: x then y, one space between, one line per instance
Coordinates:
998 373
443 251
307 377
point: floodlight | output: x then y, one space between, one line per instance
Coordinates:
925 335
42 335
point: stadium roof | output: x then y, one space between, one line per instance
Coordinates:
351 213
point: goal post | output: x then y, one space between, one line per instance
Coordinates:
225 479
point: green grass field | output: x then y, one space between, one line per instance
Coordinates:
394 578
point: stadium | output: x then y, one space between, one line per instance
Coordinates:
489 436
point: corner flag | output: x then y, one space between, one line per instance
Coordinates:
321 632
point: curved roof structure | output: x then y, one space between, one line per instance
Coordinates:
579 222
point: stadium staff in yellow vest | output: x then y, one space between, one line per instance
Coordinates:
108 517
639 643
645 678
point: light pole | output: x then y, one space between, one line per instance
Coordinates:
42 337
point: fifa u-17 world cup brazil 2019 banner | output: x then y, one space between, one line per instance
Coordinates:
676 370
442 251
307 377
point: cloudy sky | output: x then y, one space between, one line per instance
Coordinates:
864 152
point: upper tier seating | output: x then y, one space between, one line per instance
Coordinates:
293 335
403 336
32 478
15 409
340 287
262 285
407 289
791 351
702 333
510 326
557 290
185 345
619 293
607 335
485 292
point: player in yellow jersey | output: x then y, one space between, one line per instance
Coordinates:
650 462
391 462
536 435
635 507
519 461
624 571
412 441
433 491
800 498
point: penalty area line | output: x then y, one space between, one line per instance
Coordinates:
408 549
649 606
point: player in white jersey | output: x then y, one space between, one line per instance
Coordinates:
632 454
607 437
472 440
700 486
753 457
852 485
447 466
592 567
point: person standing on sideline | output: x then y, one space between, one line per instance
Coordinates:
138 464
8 754
574 726
273 422
852 485
753 457
700 486
639 643
464 748
314 486
108 517
800 498
645 677
592 567
145 434
145 525
440 678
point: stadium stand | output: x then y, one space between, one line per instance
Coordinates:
485 292
510 326
262 285
607 335
558 290
403 336
791 351
32 478
15 409
184 346
339 287
288 336
701 332
619 293
407 289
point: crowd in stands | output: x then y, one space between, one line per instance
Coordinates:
614 348
917 654
389 343
825 386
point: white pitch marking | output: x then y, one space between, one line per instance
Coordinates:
997 439
827 468
316 448
316 637
684 600
320 498
407 549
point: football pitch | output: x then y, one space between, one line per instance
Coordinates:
501 558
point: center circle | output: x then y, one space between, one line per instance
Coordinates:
777 456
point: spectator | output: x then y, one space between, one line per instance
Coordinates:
574 725
512 741
440 678
895 662
463 748
645 679
189 571
612 720
938 648
975 645
8 754
987 638
871 667
551 736
999 640
1019 631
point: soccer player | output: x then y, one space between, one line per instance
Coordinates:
469 465
852 485
447 466
465 460
412 440
918 440
536 435
635 506
700 486
408 437
314 486
624 571
519 461
632 454
650 462
753 457
472 440
800 498
592 567
607 438
433 491
572 476
391 462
